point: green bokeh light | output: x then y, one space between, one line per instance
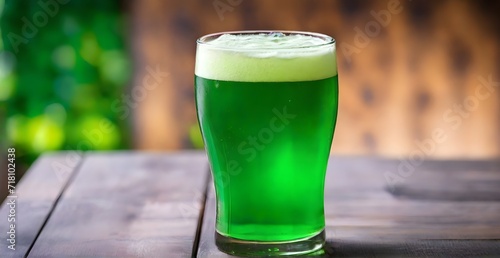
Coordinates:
61 82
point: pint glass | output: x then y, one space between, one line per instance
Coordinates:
267 106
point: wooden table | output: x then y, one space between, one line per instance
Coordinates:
133 204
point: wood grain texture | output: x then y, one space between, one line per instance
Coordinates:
128 205
442 209
407 81
37 194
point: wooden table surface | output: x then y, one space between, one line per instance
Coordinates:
136 204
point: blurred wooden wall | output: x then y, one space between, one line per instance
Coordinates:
395 91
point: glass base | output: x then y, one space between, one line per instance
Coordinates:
254 248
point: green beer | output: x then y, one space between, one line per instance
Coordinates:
267 114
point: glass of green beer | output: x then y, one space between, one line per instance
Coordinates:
267 107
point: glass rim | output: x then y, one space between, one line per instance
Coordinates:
206 39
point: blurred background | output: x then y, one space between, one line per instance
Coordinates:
415 75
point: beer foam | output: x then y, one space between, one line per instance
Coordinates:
266 57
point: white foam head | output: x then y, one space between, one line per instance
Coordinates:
266 57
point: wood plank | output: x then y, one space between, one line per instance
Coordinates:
419 248
396 86
37 193
365 218
206 246
128 205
